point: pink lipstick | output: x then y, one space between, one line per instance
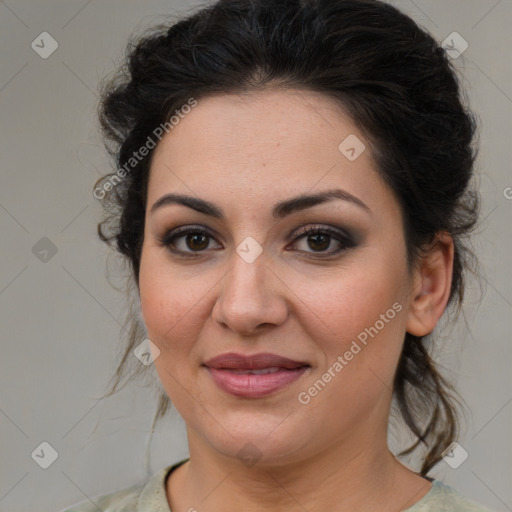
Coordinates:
256 375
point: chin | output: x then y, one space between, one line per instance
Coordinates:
255 439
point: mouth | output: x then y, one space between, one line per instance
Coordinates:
254 376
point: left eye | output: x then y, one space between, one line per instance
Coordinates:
320 239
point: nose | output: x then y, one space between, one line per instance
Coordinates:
251 297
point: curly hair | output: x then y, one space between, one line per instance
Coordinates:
395 81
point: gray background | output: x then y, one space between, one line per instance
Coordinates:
60 318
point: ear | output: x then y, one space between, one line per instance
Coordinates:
431 286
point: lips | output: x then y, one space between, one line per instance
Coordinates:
254 376
235 361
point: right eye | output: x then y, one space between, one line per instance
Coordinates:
186 240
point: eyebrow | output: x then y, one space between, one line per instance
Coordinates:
280 210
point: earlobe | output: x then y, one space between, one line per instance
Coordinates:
431 286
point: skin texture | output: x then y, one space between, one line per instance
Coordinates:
245 153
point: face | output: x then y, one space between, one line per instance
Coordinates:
321 282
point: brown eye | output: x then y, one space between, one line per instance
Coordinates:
319 242
197 241
320 239
186 240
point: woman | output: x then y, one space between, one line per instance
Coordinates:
292 194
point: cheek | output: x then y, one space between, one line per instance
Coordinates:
354 300
168 311
174 304
364 310
163 301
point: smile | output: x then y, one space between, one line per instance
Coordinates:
254 375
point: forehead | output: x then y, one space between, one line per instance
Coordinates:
266 144
259 120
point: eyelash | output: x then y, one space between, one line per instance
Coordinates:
345 240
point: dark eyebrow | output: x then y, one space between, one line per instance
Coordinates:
279 211
302 202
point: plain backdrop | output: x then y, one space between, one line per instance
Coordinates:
60 317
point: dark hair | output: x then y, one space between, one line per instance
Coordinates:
394 80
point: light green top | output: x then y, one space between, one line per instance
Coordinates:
150 496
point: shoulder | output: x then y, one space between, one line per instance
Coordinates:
147 496
119 501
444 498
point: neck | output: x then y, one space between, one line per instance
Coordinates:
349 475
